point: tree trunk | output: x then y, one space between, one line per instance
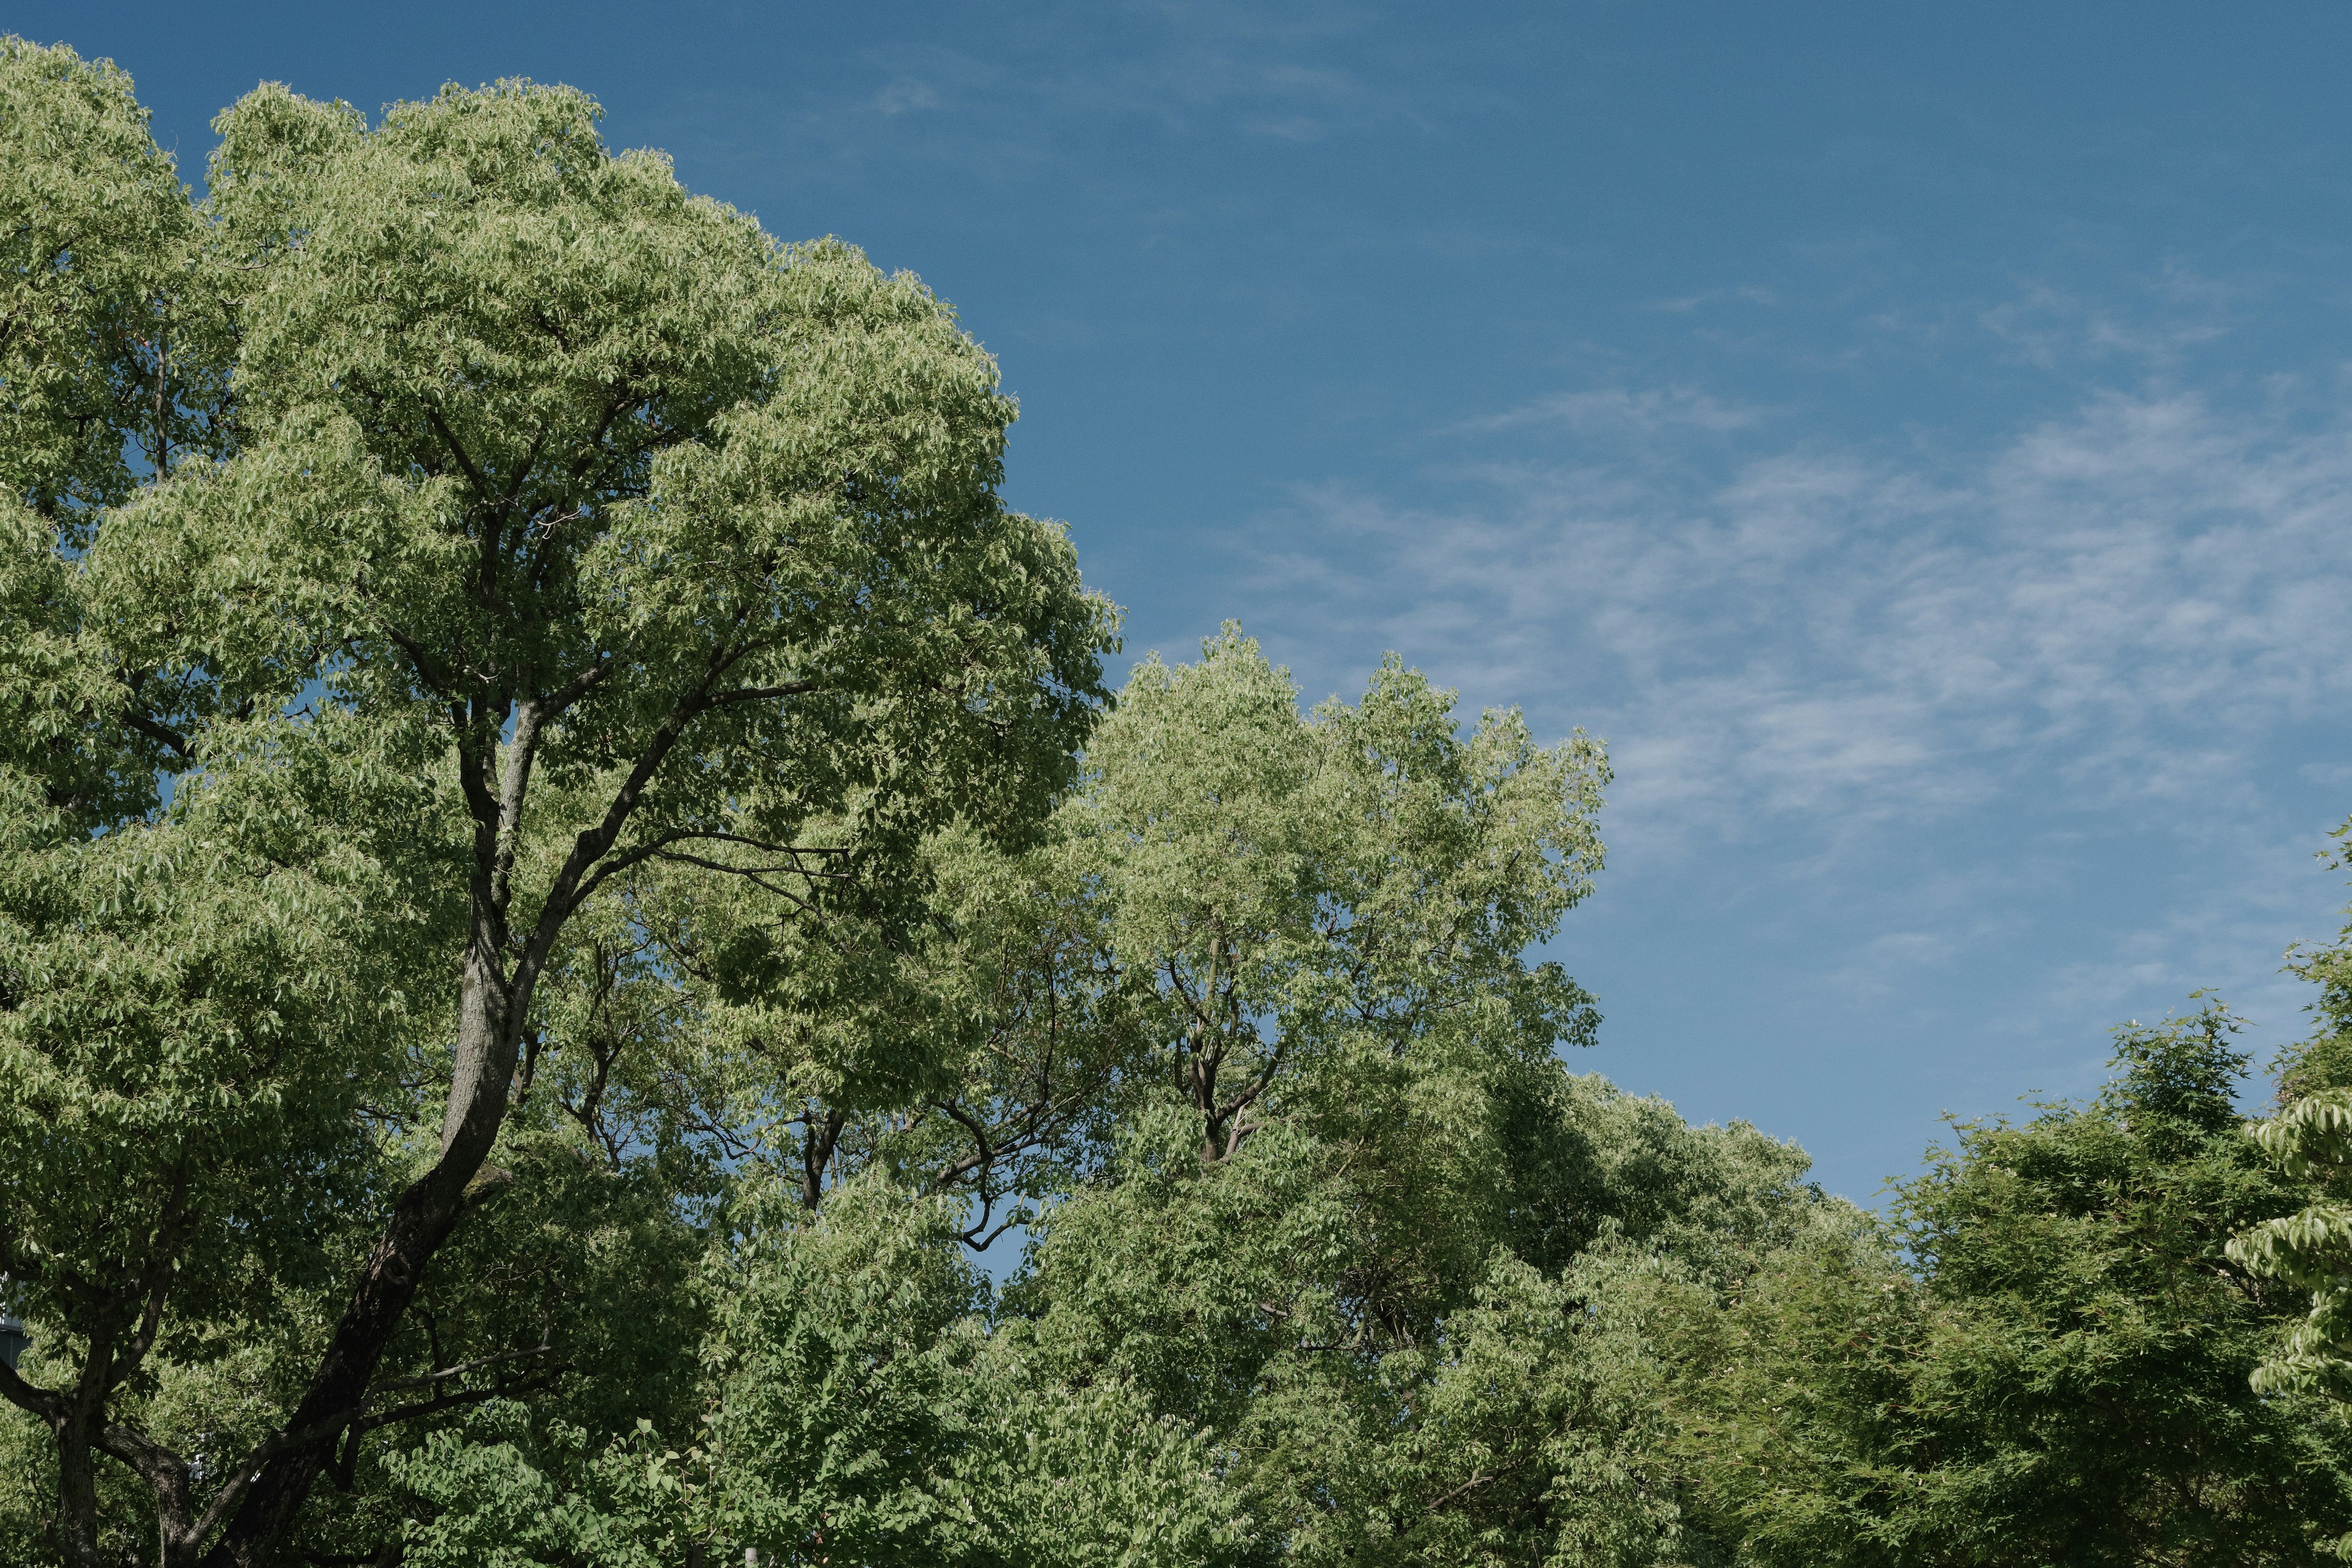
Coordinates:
77 1525
421 1219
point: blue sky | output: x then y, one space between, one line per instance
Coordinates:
1918 438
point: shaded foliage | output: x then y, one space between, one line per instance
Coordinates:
2050 1363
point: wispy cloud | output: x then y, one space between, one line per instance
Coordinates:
1927 696
907 95
1650 410
1060 79
1746 294
2046 326
2119 599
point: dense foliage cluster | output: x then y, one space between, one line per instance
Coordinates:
568 879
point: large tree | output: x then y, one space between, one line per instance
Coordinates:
2049 1365
442 521
1330 1258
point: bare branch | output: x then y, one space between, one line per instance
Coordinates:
1476 1480
576 880
983 1244
156 730
762 844
653 849
757 877
440 682
983 1154
155 1283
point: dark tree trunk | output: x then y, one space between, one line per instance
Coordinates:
422 1219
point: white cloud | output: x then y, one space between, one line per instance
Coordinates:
1650 412
1991 747
2118 602
2048 326
1291 128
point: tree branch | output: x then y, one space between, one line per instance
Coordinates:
458 451
440 683
579 685
763 693
164 1471
514 784
155 1283
156 730
47 1403
426 1379
457 1401
1473 1484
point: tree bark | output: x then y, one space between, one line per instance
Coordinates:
77 1527
421 1219
493 1006
494 1002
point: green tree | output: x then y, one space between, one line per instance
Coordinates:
2310 1250
1357 1222
513 521
1237 901
1407 1315
2051 1366
858 1411
2310 1138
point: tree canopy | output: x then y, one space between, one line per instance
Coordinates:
591 975
439 521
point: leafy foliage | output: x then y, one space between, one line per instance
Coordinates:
444 519
565 868
2065 1375
2310 1138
